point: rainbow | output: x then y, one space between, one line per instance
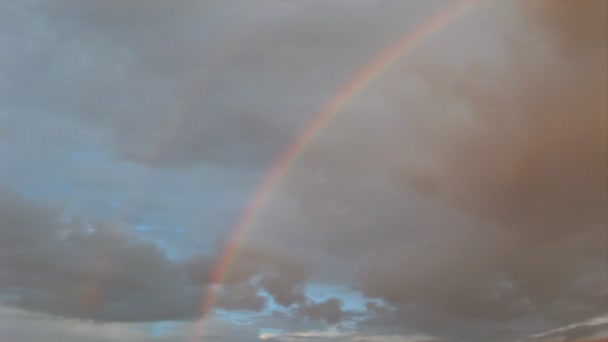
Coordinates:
289 156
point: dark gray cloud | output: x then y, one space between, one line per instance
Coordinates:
279 274
329 310
244 296
106 271
99 271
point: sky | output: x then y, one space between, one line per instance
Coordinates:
461 196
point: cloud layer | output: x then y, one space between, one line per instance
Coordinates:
107 271
463 193
476 195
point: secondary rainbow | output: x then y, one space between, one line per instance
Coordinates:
320 120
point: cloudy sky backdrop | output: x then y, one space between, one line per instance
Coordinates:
462 196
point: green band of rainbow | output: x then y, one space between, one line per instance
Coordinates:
320 120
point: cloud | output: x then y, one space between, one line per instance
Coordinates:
329 310
223 92
541 117
591 329
528 156
99 271
531 156
27 326
107 272
469 190
244 296
277 273
20 325
332 334
280 274
338 336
